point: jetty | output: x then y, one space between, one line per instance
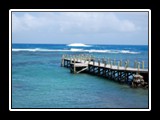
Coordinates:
116 70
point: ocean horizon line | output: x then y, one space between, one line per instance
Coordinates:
83 43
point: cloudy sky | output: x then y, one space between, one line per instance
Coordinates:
80 27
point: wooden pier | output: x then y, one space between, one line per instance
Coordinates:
104 68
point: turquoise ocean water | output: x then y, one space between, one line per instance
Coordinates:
38 81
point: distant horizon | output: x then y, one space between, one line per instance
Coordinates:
82 43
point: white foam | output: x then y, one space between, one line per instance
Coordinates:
99 51
31 50
127 51
78 45
38 49
76 50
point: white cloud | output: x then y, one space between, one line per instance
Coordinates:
68 22
127 26
16 23
28 22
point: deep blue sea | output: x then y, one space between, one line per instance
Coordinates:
38 80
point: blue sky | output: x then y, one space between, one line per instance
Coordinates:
129 28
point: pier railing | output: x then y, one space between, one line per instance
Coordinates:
85 58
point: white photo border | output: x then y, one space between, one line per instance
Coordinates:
76 10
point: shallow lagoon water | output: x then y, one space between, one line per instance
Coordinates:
38 81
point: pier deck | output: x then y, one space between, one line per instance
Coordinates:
105 69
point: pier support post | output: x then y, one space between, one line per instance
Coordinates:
74 69
99 67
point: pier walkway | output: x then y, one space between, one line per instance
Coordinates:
105 68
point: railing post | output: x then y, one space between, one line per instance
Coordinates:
70 60
75 58
120 63
142 64
108 61
93 61
110 64
98 62
66 56
89 60
125 65
74 67
84 58
103 60
80 57
138 66
74 61
104 63
114 63
135 64
62 62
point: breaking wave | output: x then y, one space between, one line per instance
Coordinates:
78 45
76 50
